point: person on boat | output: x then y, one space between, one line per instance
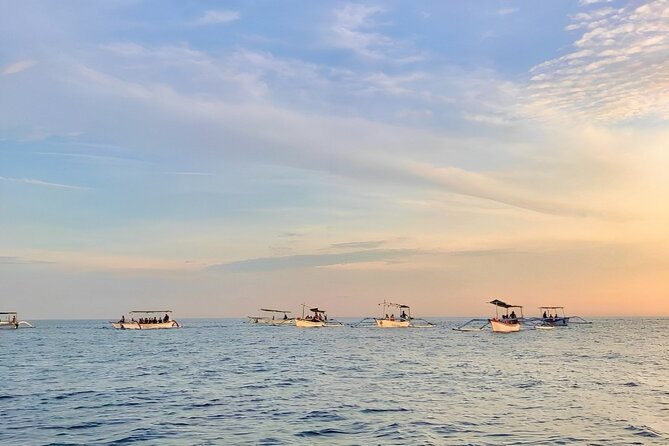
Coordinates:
166 318
387 317
122 319
545 315
513 315
285 316
392 317
403 315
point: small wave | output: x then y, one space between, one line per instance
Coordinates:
644 431
529 384
399 409
322 415
321 433
631 384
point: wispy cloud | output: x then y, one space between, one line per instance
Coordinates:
359 245
507 11
217 17
192 174
19 66
616 70
592 2
313 260
13 260
355 28
35 182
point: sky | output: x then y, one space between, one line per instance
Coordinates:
218 157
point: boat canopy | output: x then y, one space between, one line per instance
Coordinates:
274 311
150 311
316 310
551 308
8 312
390 304
502 304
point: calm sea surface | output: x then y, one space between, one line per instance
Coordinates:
218 382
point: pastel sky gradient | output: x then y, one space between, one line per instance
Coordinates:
218 157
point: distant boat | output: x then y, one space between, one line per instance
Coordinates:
551 316
147 320
10 319
266 320
319 318
389 320
508 323
402 320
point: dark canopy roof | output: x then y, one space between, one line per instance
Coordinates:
150 311
274 311
551 308
502 304
316 310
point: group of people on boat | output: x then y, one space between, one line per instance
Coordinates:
550 316
317 317
147 320
403 316
512 318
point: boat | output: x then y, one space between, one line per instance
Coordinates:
556 317
146 320
508 323
389 320
550 316
319 318
10 319
403 319
267 320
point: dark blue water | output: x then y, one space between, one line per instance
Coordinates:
225 382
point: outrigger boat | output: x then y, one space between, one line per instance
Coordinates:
266 320
10 319
550 317
143 320
318 319
508 323
402 320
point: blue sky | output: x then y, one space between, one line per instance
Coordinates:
211 155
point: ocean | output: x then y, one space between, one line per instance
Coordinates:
225 382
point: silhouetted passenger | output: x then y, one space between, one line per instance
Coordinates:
166 318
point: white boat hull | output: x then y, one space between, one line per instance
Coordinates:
304 323
503 326
387 323
268 321
138 326
14 325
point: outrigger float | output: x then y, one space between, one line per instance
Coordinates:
145 320
266 320
318 319
10 319
402 320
